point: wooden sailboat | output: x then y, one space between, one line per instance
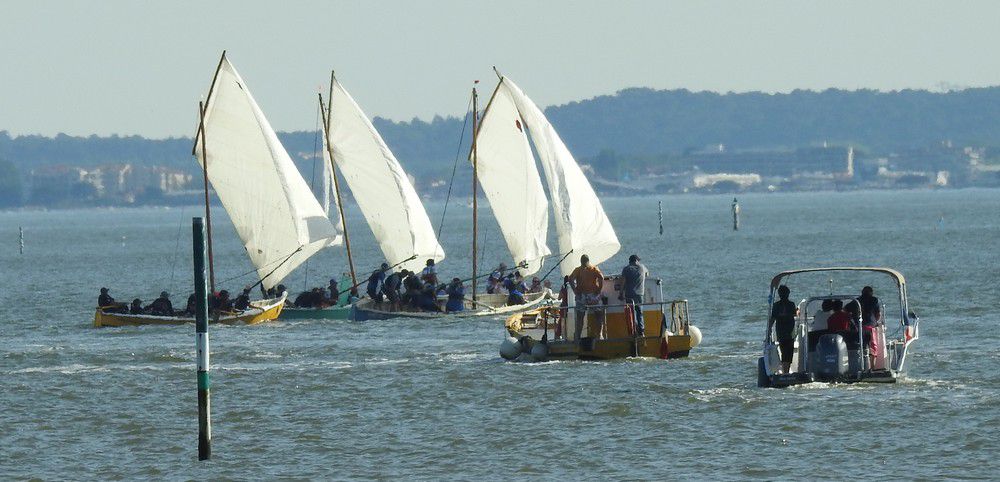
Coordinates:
505 159
278 219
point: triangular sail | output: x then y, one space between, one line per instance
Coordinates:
275 214
581 224
380 186
328 197
510 181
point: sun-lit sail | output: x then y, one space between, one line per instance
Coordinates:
380 186
581 224
511 183
275 214
328 198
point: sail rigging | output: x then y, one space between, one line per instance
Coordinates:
379 185
271 206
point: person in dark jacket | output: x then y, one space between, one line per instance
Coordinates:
242 302
514 284
391 286
783 314
162 305
108 304
375 282
136 308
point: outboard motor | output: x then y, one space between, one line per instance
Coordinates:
831 357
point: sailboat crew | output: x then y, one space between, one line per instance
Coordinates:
496 279
633 286
375 282
456 296
429 274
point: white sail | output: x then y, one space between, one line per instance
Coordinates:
510 181
581 224
274 212
380 186
328 196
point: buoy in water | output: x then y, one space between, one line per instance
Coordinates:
540 351
510 348
695 333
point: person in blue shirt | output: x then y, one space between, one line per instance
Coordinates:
375 282
514 284
456 296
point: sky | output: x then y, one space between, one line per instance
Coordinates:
136 67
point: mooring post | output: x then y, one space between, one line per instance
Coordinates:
201 333
736 215
659 208
20 238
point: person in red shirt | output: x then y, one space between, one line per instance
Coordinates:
839 320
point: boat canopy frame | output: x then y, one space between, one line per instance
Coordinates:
906 317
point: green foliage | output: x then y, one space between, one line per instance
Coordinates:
11 186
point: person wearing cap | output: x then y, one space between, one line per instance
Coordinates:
375 282
633 287
162 305
587 282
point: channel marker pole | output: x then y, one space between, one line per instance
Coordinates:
201 334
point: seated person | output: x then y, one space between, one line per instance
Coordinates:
427 299
839 320
220 302
161 306
375 282
304 300
192 305
536 285
456 296
136 308
391 286
413 287
514 284
819 319
108 304
242 302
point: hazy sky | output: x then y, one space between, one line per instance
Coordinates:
138 67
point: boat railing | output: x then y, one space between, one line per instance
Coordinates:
564 316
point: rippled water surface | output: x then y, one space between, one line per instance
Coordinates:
338 399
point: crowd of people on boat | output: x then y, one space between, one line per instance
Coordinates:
218 303
862 314
425 291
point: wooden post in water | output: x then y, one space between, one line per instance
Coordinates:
20 238
201 334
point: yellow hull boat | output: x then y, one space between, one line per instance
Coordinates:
259 312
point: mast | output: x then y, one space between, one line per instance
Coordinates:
475 191
208 209
336 184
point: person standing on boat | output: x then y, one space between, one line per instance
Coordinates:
429 274
633 287
375 283
783 314
871 315
456 296
587 282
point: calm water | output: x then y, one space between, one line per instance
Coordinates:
336 399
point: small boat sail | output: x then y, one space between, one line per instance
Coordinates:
835 338
278 219
582 227
383 191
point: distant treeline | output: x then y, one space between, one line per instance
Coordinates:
634 122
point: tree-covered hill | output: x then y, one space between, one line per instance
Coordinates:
635 122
